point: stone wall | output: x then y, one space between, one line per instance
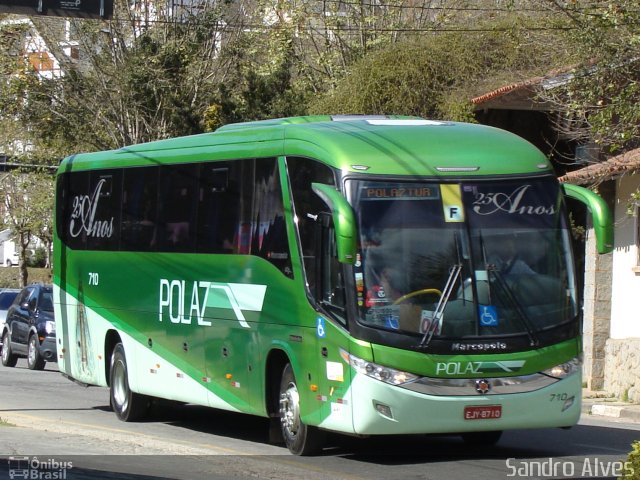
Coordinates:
622 369
597 313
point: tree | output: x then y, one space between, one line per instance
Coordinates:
436 75
147 74
602 100
27 200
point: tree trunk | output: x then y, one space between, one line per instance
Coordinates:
24 239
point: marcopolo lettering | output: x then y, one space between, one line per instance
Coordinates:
478 347
186 302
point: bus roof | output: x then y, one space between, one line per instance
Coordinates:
391 145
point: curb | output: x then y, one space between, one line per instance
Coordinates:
627 412
615 411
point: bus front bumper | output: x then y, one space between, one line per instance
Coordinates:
379 408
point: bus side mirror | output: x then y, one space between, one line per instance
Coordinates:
344 221
601 215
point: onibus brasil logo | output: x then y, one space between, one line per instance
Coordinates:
187 302
38 469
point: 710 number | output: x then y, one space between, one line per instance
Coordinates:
94 278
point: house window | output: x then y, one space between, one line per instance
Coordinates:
41 61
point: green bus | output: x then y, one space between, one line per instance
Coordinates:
369 275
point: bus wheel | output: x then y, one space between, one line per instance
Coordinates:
129 406
299 438
34 359
479 439
8 358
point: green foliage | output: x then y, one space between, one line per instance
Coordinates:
632 465
603 98
437 75
27 199
38 259
255 93
633 203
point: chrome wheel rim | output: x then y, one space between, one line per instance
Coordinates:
5 348
290 410
32 350
119 386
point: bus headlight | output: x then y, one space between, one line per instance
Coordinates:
564 369
379 372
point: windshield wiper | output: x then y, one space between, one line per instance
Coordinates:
521 314
454 273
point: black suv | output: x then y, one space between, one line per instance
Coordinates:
30 329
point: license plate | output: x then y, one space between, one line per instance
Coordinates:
483 412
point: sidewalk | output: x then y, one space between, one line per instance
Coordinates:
598 404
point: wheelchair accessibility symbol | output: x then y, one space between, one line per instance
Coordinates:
320 330
488 316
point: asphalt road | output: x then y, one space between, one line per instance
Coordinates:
53 428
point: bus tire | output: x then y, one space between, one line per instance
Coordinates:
299 438
34 359
128 406
8 358
479 439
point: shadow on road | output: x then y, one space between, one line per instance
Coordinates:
581 440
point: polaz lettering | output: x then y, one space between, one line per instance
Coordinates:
176 290
185 302
456 368
466 368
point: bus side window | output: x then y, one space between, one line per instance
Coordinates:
178 208
139 209
72 187
307 205
270 240
102 227
218 208
330 278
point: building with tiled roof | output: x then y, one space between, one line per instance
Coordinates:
611 282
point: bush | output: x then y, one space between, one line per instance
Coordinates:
38 259
632 465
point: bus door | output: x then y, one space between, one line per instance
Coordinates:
331 333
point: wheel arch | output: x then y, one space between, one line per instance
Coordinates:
32 331
111 339
277 358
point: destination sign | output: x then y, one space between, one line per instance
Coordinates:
400 191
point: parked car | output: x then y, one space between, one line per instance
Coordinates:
30 328
12 260
7 296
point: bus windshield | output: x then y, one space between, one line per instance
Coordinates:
470 259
